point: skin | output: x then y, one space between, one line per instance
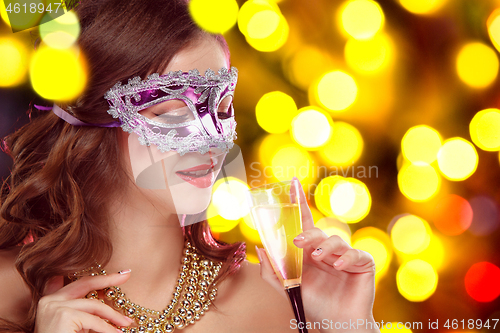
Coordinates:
147 239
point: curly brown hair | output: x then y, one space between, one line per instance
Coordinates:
55 202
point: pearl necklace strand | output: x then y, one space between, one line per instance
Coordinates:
192 296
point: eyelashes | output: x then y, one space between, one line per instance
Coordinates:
175 113
223 115
174 116
167 116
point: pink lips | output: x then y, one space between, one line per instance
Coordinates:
201 176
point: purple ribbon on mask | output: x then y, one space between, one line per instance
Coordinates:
64 115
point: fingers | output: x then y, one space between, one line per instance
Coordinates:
86 321
310 239
307 219
355 261
65 311
83 286
96 307
334 251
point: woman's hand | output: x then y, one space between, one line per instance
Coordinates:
65 311
338 282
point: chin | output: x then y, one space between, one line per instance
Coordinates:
189 199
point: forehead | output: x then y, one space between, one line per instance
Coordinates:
201 54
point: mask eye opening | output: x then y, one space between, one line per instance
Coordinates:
225 108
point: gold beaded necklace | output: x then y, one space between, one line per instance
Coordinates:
192 296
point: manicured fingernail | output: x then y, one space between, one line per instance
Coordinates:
119 330
258 254
299 237
130 320
125 271
338 263
317 252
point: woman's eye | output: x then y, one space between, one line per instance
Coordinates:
224 110
223 115
170 114
174 115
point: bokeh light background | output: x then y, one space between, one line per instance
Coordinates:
387 111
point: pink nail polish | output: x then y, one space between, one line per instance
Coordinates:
125 271
338 263
130 320
299 237
119 330
317 252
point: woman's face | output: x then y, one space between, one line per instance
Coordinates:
182 183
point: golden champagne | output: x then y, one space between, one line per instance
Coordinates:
280 224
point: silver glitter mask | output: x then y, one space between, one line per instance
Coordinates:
197 125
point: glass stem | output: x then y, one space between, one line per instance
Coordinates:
298 309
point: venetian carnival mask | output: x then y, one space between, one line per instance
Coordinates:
195 125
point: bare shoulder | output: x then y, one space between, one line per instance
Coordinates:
14 293
247 303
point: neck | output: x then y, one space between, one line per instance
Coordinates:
148 239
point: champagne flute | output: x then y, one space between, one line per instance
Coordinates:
275 210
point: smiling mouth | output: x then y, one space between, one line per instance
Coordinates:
201 176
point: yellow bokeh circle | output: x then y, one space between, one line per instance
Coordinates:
350 200
345 146
421 144
370 55
263 24
378 244
493 24
434 254
13 62
292 161
485 129
457 159
58 74
323 192
336 91
311 127
477 65
411 234
249 9
229 198
418 182
275 111
269 145
362 19
274 40
214 16
422 6
416 280
218 223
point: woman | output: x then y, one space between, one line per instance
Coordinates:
76 197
